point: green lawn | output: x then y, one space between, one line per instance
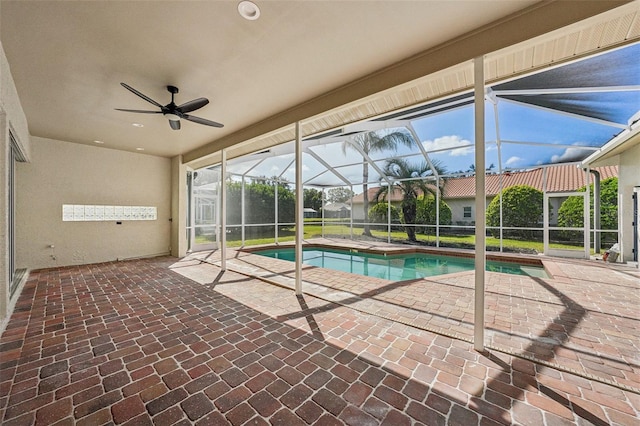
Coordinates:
314 230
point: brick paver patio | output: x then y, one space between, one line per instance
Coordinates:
585 318
166 341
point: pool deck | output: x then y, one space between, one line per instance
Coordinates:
179 341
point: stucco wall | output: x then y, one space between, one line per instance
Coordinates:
11 117
457 206
628 178
358 210
67 173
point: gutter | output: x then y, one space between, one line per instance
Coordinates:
619 139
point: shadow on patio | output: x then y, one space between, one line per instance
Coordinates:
163 342
584 323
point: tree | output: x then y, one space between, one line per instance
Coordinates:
339 195
410 180
571 211
472 170
378 213
312 199
426 213
370 142
521 207
259 203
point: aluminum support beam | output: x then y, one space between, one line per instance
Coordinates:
243 208
276 212
223 211
480 255
299 210
596 211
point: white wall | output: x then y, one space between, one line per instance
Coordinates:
629 176
11 118
457 206
358 208
457 209
67 173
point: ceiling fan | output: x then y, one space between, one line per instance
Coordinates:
172 111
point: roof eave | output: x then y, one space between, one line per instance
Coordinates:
630 136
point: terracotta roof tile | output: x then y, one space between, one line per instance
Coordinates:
563 178
559 179
396 195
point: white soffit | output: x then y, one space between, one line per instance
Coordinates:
597 34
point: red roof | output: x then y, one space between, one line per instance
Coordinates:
564 178
396 195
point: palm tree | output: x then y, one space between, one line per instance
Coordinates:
368 143
410 180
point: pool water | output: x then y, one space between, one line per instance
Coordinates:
396 267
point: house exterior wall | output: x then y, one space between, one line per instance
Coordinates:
457 206
68 173
629 178
358 211
11 118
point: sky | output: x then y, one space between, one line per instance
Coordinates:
451 134
529 135
516 123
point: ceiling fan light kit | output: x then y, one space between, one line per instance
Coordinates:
172 111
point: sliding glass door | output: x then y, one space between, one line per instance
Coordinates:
202 209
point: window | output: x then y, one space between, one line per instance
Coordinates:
15 275
467 211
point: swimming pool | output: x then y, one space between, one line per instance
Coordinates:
395 267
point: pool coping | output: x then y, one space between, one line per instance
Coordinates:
392 249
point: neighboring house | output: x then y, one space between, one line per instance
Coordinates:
358 200
337 210
308 212
459 193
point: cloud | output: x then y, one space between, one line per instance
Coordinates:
571 154
450 142
512 161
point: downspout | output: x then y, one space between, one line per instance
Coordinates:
596 211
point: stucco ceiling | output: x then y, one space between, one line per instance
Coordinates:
68 59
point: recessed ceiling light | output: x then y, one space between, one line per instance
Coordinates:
99 142
137 125
248 10
139 149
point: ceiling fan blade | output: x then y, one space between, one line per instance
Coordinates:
142 95
139 110
175 124
192 105
201 120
